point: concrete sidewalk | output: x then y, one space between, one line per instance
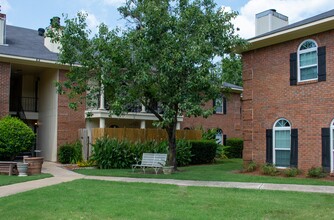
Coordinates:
63 175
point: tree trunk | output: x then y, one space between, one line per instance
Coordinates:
171 131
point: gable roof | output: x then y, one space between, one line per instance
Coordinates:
26 43
313 25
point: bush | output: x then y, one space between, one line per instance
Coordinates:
251 166
220 153
183 152
203 152
16 137
70 153
269 169
112 153
316 172
291 172
235 147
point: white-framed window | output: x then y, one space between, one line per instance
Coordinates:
219 136
307 61
332 147
281 143
219 105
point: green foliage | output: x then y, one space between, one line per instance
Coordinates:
291 172
15 137
316 172
232 69
203 151
70 153
251 166
111 153
269 169
220 152
164 56
210 134
235 147
86 163
183 152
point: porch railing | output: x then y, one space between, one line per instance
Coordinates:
28 104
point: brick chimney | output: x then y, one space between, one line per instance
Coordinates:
2 28
54 25
268 21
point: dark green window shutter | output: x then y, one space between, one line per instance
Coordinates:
214 106
269 145
293 69
326 148
224 106
294 148
322 64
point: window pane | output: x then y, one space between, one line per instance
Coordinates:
309 73
282 139
309 58
219 105
282 158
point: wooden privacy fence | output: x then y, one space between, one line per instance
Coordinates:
136 134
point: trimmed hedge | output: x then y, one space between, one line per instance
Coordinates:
234 147
70 153
203 151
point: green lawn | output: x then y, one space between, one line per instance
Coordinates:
225 171
7 180
93 199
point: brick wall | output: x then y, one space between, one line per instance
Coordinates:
230 123
69 121
268 96
4 88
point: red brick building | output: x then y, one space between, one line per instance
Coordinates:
226 117
288 111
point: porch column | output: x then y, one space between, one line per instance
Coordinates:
143 124
102 122
101 98
143 109
178 126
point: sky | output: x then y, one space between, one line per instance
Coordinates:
34 14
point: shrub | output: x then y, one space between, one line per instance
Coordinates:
70 153
210 134
203 151
235 147
112 153
316 172
269 169
183 152
220 153
15 138
251 166
291 172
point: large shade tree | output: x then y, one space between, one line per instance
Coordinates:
165 55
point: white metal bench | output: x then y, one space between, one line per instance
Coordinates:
151 160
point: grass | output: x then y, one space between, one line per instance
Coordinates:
225 171
93 199
7 180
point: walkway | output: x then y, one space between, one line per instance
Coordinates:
63 175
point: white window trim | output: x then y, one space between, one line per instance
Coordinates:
331 146
221 105
298 59
274 136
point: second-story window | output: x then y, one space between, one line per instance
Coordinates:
220 105
307 61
